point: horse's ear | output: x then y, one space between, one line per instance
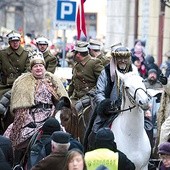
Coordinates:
63 102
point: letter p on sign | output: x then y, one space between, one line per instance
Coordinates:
66 11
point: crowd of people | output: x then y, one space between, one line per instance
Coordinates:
30 93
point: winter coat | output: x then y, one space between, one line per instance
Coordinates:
55 161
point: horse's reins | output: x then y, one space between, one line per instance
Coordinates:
132 100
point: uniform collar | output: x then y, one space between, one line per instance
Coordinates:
18 51
86 59
45 54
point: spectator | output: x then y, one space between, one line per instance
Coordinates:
106 153
41 146
150 64
50 60
164 154
56 160
4 165
75 160
141 68
165 66
6 147
152 82
33 98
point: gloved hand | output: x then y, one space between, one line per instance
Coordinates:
163 79
106 107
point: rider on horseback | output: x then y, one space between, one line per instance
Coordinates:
108 89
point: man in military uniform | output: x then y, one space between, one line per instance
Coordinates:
85 72
50 60
95 51
13 62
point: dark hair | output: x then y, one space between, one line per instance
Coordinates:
71 154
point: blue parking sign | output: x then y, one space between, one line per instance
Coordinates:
66 11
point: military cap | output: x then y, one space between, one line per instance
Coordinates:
36 57
13 36
94 44
81 46
42 40
61 137
118 50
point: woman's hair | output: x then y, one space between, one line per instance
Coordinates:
71 154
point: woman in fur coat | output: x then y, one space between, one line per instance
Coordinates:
33 97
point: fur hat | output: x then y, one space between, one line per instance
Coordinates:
36 57
51 125
61 137
118 50
164 148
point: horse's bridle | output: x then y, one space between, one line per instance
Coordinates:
132 100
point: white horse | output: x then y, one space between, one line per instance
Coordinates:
128 127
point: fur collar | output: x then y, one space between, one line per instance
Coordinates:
23 90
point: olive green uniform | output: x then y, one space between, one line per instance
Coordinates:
12 64
105 60
85 75
50 61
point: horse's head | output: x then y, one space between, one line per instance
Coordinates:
135 89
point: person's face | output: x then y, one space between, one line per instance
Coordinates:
137 63
42 47
76 163
91 52
122 62
38 71
77 57
166 160
152 76
14 44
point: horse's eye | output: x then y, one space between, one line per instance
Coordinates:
65 120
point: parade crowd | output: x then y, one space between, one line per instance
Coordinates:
31 96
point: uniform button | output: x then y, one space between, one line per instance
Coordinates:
17 60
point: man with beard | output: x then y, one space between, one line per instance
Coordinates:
152 82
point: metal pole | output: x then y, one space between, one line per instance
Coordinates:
64 47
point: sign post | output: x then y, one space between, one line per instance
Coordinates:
65 19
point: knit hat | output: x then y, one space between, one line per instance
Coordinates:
104 134
152 71
61 137
164 148
51 125
36 57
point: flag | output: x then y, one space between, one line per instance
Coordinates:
80 21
